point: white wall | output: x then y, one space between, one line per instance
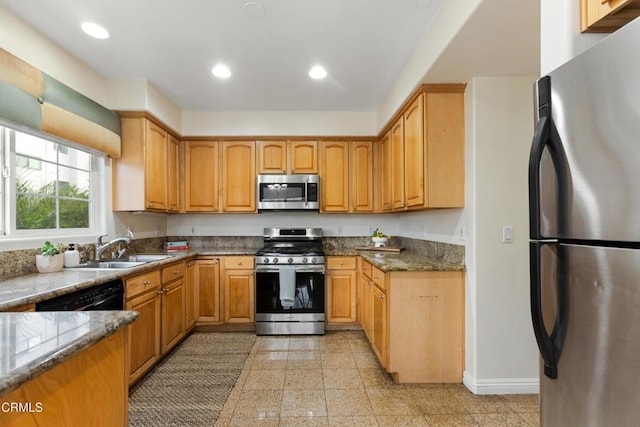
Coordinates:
560 37
501 352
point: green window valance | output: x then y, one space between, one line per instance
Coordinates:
36 100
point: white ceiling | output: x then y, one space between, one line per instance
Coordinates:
364 44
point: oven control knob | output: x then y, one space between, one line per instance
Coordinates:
304 260
266 260
290 260
275 260
313 260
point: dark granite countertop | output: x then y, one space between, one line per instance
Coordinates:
33 343
399 261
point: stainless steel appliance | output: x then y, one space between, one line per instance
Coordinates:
288 192
585 229
108 296
290 282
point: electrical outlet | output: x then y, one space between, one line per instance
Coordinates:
507 234
193 230
339 230
158 231
463 233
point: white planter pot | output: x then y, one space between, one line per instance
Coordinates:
380 242
49 264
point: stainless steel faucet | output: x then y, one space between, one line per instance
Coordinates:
100 247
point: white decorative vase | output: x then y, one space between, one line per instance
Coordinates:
49 263
380 242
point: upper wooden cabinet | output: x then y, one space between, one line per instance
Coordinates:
282 157
201 176
238 176
146 176
334 176
422 152
361 176
606 16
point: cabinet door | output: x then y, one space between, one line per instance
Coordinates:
303 157
606 16
397 158
239 296
201 176
334 173
156 167
272 156
238 176
445 145
361 171
379 326
341 296
367 307
172 314
173 175
144 333
208 290
386 154
414 153
190 283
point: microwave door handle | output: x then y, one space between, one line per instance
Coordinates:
306 193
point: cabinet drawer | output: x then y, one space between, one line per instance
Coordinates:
365 268
379 277
172 272
238 262
139 284
341 263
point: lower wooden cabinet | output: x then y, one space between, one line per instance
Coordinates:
239 289
159 298
415 322
340 284
207 290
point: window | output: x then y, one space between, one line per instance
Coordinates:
48 187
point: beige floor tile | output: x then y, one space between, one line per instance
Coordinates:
463 420
522 402
338 361
391 401
401 421
376 378
303 379
480 406
303 403
368 421
342 379
348 403
302 359
304 421
299 343
304 355
222 421
259 404
265 380
444 406
273 344
366 360
359 346
253 422
333 336
335 346
500 420
270 361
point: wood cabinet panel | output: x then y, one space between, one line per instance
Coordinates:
414 154
272 156
142 283
172 314
397 165
143 347
341 296
334 175
238 176
201 176
341 263
156 167
208 290
303 157
190 284
379 323
239 296
173 174
361 176
386 154
606 16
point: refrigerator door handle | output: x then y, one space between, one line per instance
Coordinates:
546 137
550 345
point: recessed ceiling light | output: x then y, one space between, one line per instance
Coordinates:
221 71
95 30
254 9
317 72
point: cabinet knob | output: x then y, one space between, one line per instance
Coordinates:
147 282
380 296
175 272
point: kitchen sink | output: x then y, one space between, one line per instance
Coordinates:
108 265
122 263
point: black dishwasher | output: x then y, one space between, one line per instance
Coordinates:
107 296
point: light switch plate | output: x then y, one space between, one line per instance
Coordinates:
507 234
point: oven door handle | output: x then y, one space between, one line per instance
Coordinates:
318 269
266 270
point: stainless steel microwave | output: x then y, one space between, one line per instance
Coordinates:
288 192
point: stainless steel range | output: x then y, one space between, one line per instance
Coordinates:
290 282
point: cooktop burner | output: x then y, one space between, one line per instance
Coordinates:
291 246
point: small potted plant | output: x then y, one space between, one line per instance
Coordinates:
50 258
379 238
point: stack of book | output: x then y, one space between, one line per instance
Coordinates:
179 246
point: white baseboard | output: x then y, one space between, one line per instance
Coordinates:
501 385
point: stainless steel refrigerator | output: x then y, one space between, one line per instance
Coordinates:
584 197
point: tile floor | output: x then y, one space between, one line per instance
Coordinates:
335 380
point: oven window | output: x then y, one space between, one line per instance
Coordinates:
308 296
282 192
